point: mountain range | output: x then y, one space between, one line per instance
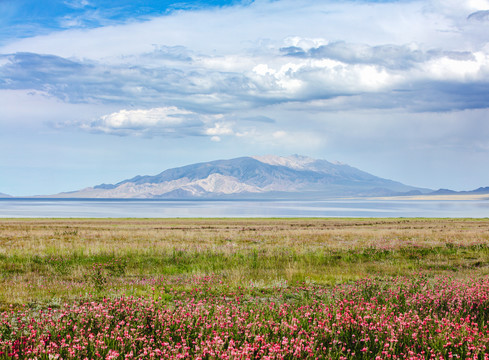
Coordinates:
253 177
478 191
2 195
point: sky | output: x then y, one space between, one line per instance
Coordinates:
96 91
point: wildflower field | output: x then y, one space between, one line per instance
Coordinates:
244 289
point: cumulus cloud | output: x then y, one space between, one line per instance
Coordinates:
174 122
219 128
304 80
163 121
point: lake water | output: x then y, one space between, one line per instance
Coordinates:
67 208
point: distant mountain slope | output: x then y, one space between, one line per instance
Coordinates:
481 190
260 176
2 195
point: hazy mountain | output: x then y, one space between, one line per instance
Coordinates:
253 177
443 192
481 190
2 195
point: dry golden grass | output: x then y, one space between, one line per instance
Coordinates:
38 236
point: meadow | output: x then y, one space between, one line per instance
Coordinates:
244 288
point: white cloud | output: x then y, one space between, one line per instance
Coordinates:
446 68
304 78
220 129
77 4
169 121
165 121
304 43
158 117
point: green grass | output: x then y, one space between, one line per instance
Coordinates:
47 259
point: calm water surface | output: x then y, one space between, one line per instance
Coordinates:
66 208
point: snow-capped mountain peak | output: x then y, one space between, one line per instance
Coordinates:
292 161
258 176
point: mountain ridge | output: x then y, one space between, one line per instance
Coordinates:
266 176
480 190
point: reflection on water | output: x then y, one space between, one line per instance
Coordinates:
66 208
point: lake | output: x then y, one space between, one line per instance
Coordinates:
117 208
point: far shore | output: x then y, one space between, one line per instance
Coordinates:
452 197
461 197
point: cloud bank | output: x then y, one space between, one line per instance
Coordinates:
361 76
175 60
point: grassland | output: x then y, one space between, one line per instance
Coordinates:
59 259
244 288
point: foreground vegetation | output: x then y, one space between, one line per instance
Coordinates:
398 318
228 288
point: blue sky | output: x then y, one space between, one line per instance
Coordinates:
99 91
